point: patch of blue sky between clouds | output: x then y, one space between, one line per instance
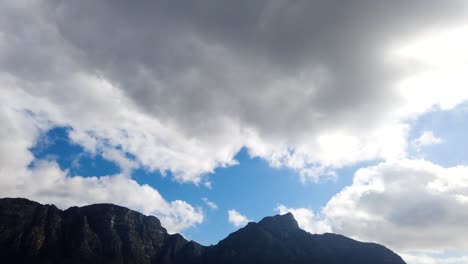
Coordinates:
452 128
56 145
252 187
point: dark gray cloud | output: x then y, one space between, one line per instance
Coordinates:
301 83
197 60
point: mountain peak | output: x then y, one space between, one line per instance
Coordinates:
280 222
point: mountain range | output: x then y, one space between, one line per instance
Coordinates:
105 233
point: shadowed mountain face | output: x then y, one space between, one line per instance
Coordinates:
106 233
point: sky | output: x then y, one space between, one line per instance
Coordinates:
210 114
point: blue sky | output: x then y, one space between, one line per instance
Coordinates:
351 116
451 126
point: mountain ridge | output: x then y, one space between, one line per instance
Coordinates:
106 233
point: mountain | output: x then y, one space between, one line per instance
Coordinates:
105 233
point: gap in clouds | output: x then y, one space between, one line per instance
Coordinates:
55 144
252 187
452 128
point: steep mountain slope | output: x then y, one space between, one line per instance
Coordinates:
279 239
106 233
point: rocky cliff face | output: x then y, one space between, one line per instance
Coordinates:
101 233
106 233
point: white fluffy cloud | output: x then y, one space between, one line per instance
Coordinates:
209 203
438 63
45 182
237 219
426 138
405 204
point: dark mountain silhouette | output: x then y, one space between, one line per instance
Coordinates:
106 233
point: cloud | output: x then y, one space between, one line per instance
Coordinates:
437 63
45 182
405 204
426 138
183 86
209 203
237 219
433 259
306 219
48 184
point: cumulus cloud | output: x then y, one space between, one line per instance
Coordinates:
405 204
48 184
306 219
237 219
426 138
45 182
209 203
184 86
